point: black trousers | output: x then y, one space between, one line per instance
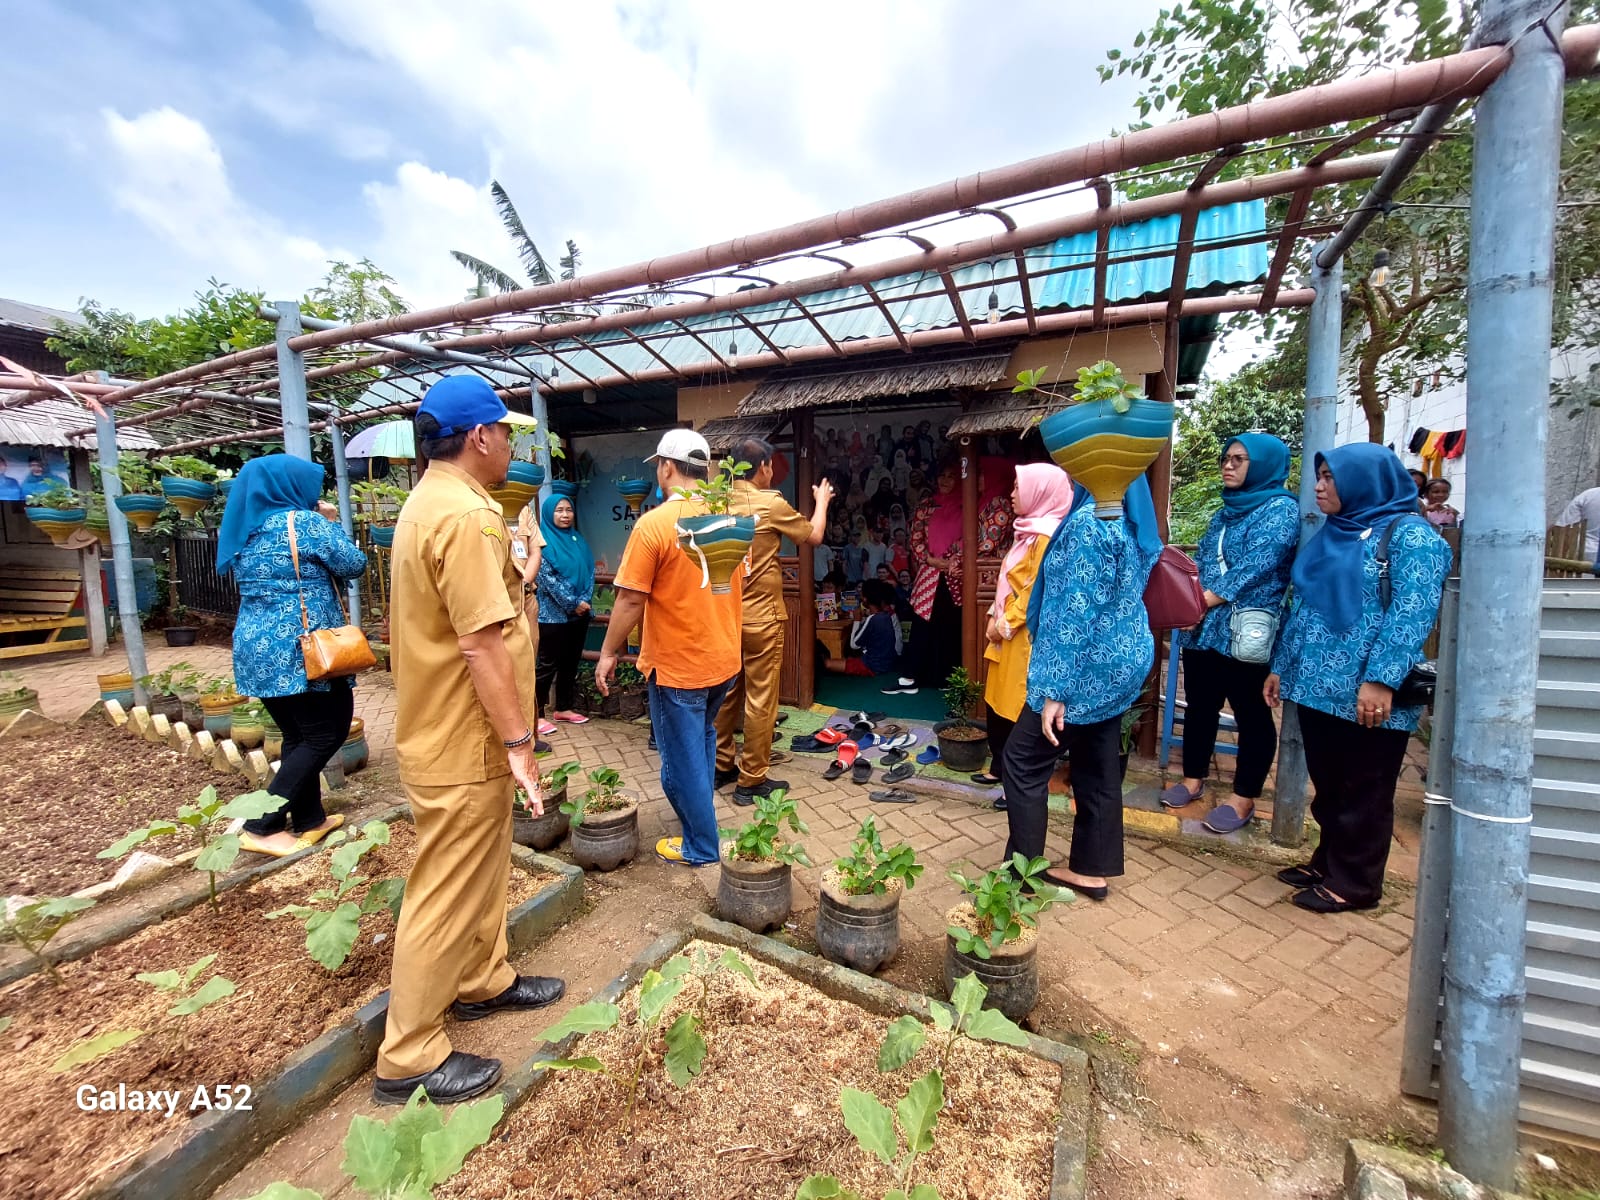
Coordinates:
1030 760
315 725
1354 771
1209 680
560 652
999 733
936 642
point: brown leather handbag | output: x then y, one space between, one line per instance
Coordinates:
329 653
1173 596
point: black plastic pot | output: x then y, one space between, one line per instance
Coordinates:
962 754
861 932
1011 974
604 841
181 635
542 832
631 705
168 706
756 895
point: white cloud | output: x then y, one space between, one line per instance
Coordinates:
423 215
170 174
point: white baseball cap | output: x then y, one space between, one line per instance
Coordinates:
684 446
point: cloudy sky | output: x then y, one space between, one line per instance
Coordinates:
153 145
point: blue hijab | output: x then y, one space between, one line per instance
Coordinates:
565 550
1263 481
1374 489
1139 514
265 486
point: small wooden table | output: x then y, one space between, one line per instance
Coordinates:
832 634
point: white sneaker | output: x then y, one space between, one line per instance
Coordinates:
902 687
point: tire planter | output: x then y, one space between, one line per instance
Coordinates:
247 731
117 686
216 714
188 496
542 832
607 840
718 542
633 493
757 895
58 523
271 741
13 706
140 509
860 932
1011 973
181 635
382 536
355 753
1106 450
962 753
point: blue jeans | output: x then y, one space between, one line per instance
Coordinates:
685 723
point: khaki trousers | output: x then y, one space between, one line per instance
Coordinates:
451 941
753 695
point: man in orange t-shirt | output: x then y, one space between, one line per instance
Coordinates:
690 650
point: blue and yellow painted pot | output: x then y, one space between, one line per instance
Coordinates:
1106 450
99 524
513 498
718 542
58 523
633 493
526 473
224 486
188 496
381 535
353 755
564 487
140 509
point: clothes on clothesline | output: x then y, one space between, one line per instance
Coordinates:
1438 443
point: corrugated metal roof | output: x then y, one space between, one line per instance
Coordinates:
17 315
47 422
918 301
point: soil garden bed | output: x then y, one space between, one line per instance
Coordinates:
49 1147
68 797
764 1112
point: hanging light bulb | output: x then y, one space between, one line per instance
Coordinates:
994 307
1380 270
733 351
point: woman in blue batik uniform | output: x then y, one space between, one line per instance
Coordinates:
1244 559
1092 651
1342 654
253 544
566 592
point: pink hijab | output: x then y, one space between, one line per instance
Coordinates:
1044 495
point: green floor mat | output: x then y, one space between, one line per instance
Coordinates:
853 693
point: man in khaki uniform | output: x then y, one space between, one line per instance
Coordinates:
460 651
754 694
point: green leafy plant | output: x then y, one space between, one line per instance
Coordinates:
58 497
628 678
868 869
604 600
715 491
376 501
1130 719
406 1158
761 839
1103 380
135 474
685 1042
1005 900
604 794
187 1001
553 780
961 692
186 466
33 924
331 933
202 819
180 679
12 686
217 687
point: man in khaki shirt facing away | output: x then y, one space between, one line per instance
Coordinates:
462 661
754 694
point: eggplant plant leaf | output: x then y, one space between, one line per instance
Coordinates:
249 807
731 961
824 1187
330 936
989 1025
586 1063
870 1122
216 988
585 1018
219 855
655 994
469 1127
94 1049
900 1045
686 1049
919 1111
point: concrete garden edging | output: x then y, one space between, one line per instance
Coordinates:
211 1148
1068 1180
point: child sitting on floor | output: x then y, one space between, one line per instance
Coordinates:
875 635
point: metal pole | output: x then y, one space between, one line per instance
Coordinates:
416 348
1324 336
1515 168
341 480
105 436
292 383
1433 867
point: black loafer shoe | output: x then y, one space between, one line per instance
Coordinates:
459 1077
1300 877
724 778
529 991
747 795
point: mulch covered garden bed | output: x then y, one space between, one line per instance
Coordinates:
50 1147
69 796
764 1113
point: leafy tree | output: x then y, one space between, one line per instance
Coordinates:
1245 402
533 260
1206 55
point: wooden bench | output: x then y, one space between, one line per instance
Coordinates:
37 600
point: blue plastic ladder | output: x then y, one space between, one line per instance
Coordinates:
1171 716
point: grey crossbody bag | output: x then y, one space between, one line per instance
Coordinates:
1252 630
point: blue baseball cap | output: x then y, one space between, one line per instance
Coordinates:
460 402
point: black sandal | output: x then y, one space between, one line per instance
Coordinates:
987 778
1300 877
1320 900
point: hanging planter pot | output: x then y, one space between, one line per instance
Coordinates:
224 486
272 740
99 524
141 510
353 755
382 536
719 543
526 474
633 493
513 498
181 635
1106 450
564 487
58 523
188 496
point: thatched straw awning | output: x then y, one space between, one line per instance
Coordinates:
1004 414
784 392
724 433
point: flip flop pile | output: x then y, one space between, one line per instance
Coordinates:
849 742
